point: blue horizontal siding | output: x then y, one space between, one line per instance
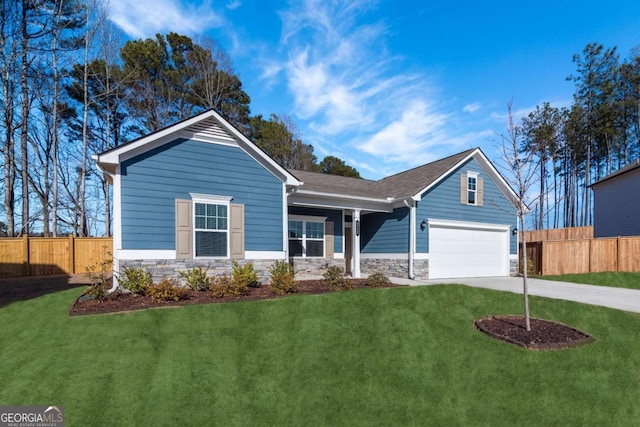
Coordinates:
385 232
616 203
152 181
443 202
330 214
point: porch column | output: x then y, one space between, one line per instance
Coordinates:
355 234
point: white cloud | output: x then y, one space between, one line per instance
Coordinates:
471 108
357 98
145 18
234 4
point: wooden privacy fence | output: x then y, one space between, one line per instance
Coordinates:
569 233
576 256
36 256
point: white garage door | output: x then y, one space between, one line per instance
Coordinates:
458 249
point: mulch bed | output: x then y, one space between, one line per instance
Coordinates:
122 302
544 334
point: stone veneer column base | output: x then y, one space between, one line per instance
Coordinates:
397 267
513 267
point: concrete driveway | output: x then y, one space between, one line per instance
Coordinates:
619 298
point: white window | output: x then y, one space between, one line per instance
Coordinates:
306 237
472 188
211 226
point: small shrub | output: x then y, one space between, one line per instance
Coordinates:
167 290
225 286
378 280
135 279
99 274
245 275
283 279
335 278
195 278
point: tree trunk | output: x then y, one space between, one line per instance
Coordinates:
24 230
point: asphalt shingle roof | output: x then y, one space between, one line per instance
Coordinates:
403 184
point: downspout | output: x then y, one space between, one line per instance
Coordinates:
114 277
412 237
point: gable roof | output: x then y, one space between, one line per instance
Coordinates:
628 168
208 126
401 186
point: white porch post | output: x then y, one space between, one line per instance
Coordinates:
356 243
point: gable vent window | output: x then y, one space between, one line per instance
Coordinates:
471 189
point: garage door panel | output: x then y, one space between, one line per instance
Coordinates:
458 251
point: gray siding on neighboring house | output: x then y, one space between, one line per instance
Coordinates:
385 233
443 202
616 206
332 215
152 181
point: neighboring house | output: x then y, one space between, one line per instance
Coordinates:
200 193
616 203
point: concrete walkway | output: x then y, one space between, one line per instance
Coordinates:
619 298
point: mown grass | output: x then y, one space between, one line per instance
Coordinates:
608 278
404 356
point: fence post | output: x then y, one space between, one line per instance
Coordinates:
617 253
72 255
25 254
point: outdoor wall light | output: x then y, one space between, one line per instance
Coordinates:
423 225
514 231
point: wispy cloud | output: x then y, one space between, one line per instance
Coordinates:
352 92
145 18
234 4
471 108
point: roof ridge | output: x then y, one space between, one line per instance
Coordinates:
427 164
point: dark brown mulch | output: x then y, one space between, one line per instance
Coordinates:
544 334
119 302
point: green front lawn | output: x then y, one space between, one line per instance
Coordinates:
609 278
403 356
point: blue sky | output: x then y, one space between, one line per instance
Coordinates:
388 85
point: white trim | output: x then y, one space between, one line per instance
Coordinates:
386 200
172 133
307 218
131 254
420 256
285 221
465 224
355 235
474 175
258 255
513 257
210 198
338 255
403 256
487 166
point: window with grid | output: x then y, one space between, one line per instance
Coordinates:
306 238
471 189
211 229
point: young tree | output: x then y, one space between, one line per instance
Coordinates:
519 170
